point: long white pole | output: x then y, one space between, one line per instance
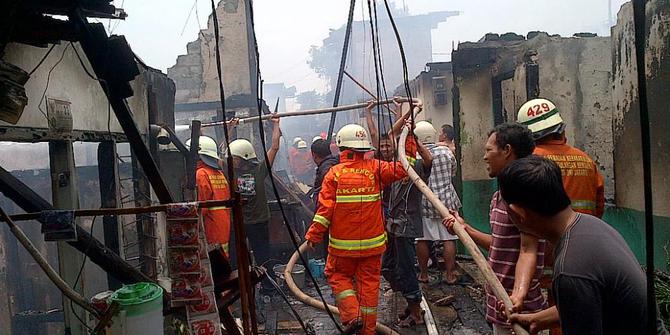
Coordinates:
477 255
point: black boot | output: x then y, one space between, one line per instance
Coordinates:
353 327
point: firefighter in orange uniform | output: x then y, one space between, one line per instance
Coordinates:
350 210
581 178
301 162
213 185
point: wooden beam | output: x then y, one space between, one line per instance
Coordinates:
114 82
110 197
105 258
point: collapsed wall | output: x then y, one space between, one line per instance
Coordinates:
495 76
593 82
628 151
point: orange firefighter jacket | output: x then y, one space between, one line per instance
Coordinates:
582 181
300 161
350 204
212 185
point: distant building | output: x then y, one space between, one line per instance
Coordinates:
433 86
415 32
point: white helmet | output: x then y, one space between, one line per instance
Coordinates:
207 149
316 138
243 149
353 136
425 132
302 145
296 140
541 117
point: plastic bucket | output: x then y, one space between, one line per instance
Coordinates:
317 267
141 310
298 274
279 273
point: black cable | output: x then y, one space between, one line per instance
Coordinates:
403 59
639 20
42 60
76 281
46 87
340 75
222 95
81 61
290 230
288 302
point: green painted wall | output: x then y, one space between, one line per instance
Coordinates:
476 199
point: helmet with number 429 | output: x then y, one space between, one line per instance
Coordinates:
541 117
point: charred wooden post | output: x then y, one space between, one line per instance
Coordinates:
65 196
114 65
108 174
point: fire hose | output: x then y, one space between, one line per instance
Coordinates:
463 236
382 329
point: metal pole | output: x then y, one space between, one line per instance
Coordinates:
305 112
639 19
343 62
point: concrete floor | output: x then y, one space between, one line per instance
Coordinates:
463 316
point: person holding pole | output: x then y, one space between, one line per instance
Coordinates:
598 285
516 258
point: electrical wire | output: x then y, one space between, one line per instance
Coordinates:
76 281
102 82
42 60
46 87
305 327
340 75
403 58
290 230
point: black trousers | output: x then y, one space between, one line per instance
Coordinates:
258 241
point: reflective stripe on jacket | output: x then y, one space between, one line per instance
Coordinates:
582 181
350 204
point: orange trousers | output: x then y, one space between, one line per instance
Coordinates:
355 284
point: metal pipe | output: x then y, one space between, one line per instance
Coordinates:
639 22
305 112
123 211
477 255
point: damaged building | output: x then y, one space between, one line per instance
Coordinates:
592 80
93 143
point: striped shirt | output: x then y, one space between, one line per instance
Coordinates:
503 255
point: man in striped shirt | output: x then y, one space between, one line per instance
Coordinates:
516 258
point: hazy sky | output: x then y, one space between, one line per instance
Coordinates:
286 29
